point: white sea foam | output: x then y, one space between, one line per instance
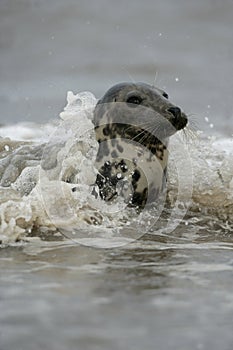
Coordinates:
27 131
47 175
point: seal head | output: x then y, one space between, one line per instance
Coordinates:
133 122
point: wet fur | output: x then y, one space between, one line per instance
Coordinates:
133 138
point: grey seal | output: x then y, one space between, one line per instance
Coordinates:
133 122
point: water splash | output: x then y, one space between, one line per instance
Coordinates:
47 183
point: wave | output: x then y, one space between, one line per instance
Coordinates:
47 174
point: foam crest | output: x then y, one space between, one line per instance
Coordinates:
46 184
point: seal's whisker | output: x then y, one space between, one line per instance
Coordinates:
145 135
185 135
189 134
149 136
150 133
193 121
155 78
129 75
142 139
137 135
145 132
192 115
132 127
140 124
155 130
193 125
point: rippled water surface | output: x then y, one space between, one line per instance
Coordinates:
170 288
153 292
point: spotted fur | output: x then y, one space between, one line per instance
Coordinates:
132 124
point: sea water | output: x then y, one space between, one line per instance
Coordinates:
78 262
166 283
78 273
81 273
47 182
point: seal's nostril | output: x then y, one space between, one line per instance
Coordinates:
175 111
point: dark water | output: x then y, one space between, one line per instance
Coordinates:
160 293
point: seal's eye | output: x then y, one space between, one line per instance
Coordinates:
165 95
134 100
